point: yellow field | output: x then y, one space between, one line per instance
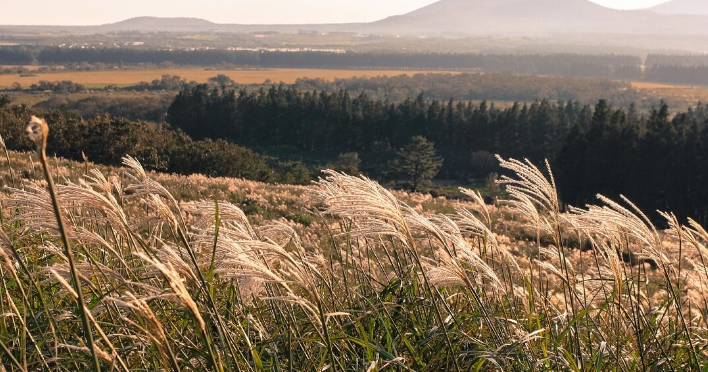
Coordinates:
27 67
680 97
649 85
96 79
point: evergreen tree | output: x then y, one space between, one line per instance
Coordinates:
417 162
6 99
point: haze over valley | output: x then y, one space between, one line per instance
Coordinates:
459 18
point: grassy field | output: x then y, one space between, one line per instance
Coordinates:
26 67
99 79
679 96
122 269
652 85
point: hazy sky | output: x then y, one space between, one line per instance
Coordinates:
95 12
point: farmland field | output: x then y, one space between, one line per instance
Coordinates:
99 79
679 96
653 85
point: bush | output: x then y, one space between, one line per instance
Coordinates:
107 140
65 86
219 159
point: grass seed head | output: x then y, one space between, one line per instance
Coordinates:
37 130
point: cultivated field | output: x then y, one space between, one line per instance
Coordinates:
121 78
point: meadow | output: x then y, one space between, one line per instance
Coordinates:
673 92
122 78
124 269
645 94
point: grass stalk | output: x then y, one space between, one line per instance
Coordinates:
38 131
9 163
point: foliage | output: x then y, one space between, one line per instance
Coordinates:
106 140
219 159
658 161
165 83
16 55
417 163
686 60
285 116
222 80
65 86
691 75
615 66
145 107
6 99
586 143
290 172
478 86
347 162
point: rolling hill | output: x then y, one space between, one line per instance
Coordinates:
161 24
533 18
686 7
558 19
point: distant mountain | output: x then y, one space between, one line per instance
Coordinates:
686 7
552 19
161 24
157 24
520 17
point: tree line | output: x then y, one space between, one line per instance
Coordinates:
463 86
614 66
105 140
478 86
17 55
658 160
690 75
316 120
685 60
662 68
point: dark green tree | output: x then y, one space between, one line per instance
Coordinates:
347 162
221 80
6 99
417 162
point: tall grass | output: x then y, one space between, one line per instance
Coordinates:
111 272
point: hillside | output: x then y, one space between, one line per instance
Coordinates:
130 269
559 19
506 16
161 24
532 18
684 7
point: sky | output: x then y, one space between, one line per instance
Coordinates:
97 12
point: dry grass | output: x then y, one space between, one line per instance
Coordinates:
651 85
192 282
121 78
26 67
680 97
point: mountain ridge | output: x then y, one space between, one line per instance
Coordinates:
683 7
521 17
160 23
458 18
